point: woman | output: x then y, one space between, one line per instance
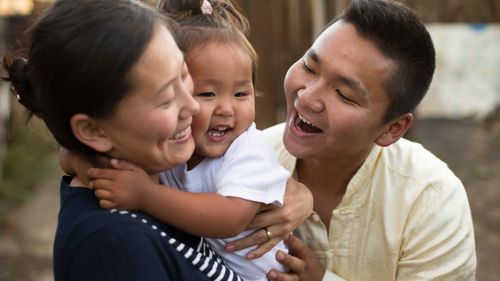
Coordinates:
107 78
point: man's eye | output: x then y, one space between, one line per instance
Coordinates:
307 68
344 97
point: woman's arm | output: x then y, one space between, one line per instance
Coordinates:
206 214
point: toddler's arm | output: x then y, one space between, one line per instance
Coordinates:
77 165
205 214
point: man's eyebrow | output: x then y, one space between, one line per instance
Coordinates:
353 84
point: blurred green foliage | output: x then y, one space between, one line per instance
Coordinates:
31 155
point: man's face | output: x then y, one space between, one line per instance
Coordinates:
336 98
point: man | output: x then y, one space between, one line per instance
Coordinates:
385 208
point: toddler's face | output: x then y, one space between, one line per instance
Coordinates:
222 77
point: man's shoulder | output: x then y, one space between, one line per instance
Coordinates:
411 160
405 150
275 133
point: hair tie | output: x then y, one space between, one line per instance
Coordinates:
14 92
206 8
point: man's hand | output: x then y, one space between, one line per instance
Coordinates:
301 262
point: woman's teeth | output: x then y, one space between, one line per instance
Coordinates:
181 134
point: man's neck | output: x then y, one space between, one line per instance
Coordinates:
328 180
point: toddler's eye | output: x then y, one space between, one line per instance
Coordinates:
205 94
240 94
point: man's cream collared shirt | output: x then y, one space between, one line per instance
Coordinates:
404 216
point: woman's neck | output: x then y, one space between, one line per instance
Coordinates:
84 183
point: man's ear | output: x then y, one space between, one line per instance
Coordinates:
88 131
395 129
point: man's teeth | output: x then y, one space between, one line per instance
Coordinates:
181 134
304 120
305 125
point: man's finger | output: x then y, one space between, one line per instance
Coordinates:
296 246
256 238
263 248
282 276
294 264
263 219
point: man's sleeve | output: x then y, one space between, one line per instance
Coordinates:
330 276
439 241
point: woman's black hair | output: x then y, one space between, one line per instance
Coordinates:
80 55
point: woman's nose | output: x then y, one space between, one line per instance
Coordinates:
190 105
308 98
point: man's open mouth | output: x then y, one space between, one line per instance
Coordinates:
306 126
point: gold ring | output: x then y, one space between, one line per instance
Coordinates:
268 233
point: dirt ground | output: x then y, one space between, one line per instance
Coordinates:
471 151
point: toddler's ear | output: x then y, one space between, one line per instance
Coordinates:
395 130
87 131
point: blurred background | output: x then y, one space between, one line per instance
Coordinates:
459 120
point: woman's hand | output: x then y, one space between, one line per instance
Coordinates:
275 224
301 263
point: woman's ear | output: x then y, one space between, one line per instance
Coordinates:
87 131
395 130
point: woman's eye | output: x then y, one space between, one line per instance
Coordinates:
307 68
205 94
166 103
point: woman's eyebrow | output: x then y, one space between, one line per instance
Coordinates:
164 86
313 55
